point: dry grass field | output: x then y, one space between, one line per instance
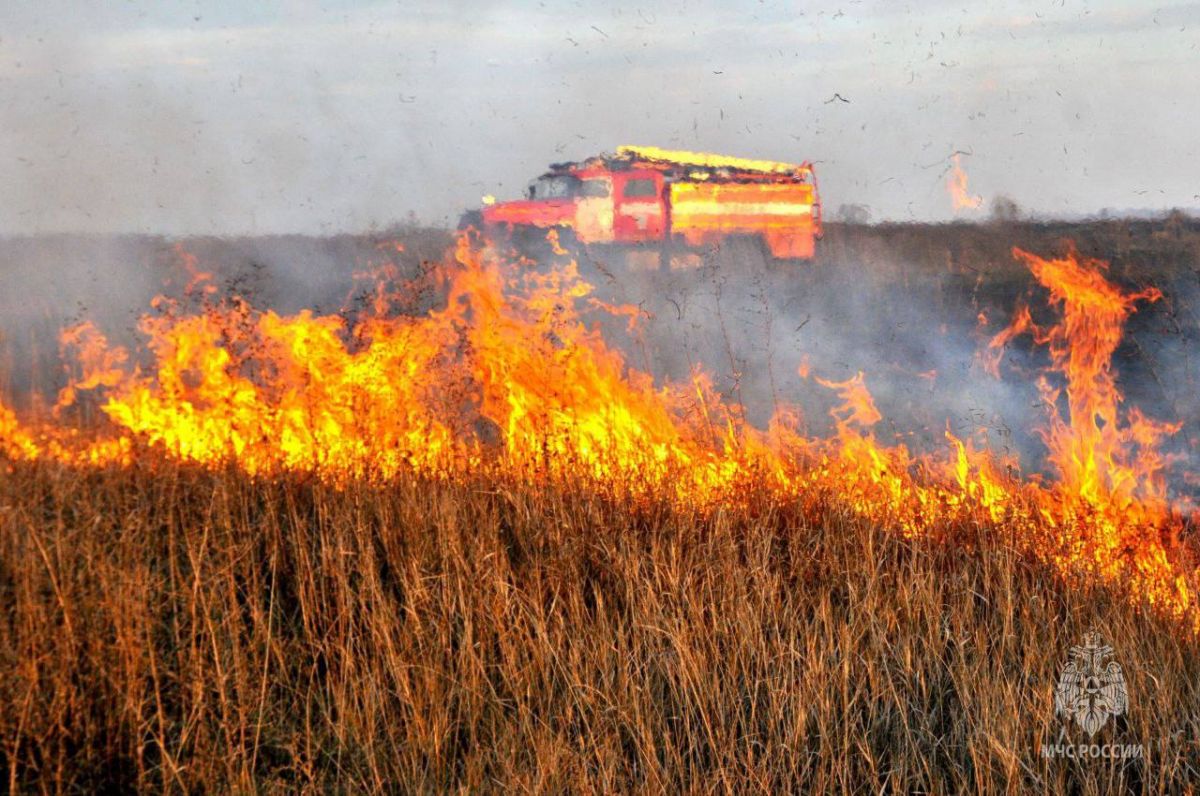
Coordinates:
169 628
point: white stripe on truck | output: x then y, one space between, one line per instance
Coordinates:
718 208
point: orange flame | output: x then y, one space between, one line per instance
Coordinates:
956 184
508 376
16 442
1099 458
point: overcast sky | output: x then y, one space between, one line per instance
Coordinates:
233 117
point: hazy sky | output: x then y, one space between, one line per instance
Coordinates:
233 117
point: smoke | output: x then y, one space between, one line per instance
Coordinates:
913 325
767 331
50 282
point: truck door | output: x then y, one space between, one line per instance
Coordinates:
639 209
594 210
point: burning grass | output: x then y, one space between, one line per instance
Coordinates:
509 377
472 547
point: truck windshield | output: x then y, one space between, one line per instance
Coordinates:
560 186
566 186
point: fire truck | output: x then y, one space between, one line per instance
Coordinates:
646 195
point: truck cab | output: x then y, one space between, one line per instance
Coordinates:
599 205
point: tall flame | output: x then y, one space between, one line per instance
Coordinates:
956 184
1100 456
508 376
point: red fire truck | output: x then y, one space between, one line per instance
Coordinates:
644 195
